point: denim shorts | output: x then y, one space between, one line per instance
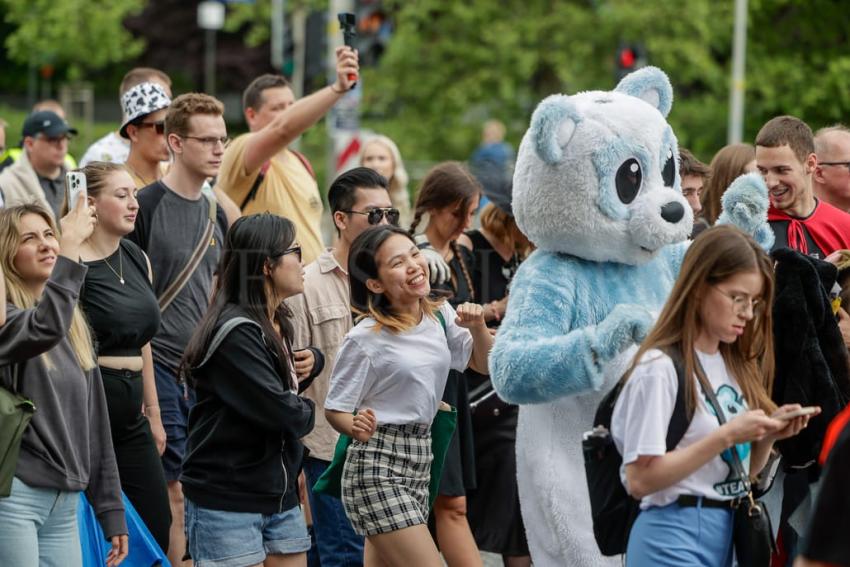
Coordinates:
217 538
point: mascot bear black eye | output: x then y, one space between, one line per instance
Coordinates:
668 173
628 180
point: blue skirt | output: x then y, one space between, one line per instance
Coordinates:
144 551
677 536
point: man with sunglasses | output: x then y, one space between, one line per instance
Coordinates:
38 175
173 227
321 317
144 109
831 179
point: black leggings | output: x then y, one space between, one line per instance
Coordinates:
139 467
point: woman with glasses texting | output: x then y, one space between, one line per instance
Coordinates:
714 322
244 453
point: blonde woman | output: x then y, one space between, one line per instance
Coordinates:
381 154
67 447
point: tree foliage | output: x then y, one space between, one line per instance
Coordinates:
450 65
83 34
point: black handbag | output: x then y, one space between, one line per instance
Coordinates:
752 534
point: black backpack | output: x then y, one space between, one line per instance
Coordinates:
613 510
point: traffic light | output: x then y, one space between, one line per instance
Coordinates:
630 57
374 29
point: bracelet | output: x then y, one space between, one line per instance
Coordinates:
336 91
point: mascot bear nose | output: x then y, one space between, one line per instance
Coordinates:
672 212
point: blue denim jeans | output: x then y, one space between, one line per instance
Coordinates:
38 527
336 542
217 538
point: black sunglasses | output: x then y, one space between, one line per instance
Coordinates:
159 127
374 216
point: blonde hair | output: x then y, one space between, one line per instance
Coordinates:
503 227
397 323
398 182
96 173
10 239
718 254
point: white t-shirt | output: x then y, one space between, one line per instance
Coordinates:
643 411
112 148
400 376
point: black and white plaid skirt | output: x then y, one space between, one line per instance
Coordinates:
385 480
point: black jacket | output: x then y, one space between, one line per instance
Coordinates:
244 451
811 359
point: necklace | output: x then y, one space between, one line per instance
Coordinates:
136 173
120 273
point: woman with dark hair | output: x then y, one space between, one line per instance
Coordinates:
449 196
391 370
244 451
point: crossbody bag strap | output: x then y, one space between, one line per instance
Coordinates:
194 261
252 193
721 418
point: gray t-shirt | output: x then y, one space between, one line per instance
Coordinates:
168 228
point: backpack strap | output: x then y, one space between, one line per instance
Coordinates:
221 334
252 193
305 162
679 421
439 315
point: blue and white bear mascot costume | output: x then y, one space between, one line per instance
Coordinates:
597 190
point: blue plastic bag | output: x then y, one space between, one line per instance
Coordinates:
144 551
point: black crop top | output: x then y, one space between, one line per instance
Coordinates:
125 317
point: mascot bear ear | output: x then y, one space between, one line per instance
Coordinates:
552 126
649 84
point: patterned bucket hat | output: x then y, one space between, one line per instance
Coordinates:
141 100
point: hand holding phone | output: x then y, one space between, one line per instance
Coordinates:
348 25
75 185
807 410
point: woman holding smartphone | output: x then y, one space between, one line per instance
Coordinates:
716 320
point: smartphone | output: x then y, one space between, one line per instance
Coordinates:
75 185
808 410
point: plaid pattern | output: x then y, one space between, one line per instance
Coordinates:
385 480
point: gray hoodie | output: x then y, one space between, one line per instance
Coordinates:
68 445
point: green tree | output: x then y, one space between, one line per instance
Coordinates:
85 35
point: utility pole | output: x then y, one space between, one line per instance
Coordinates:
278 33
210 19
737 86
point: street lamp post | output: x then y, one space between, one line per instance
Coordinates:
210 19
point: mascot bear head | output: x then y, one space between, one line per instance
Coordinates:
597 173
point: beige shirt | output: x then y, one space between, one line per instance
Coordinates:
322 317
287 190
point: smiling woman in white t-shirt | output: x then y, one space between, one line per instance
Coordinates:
716 318
391 369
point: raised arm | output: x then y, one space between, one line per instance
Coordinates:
291 123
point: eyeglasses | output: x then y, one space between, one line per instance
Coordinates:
159 127
742 302
294 250
209 141
374 216
844 163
